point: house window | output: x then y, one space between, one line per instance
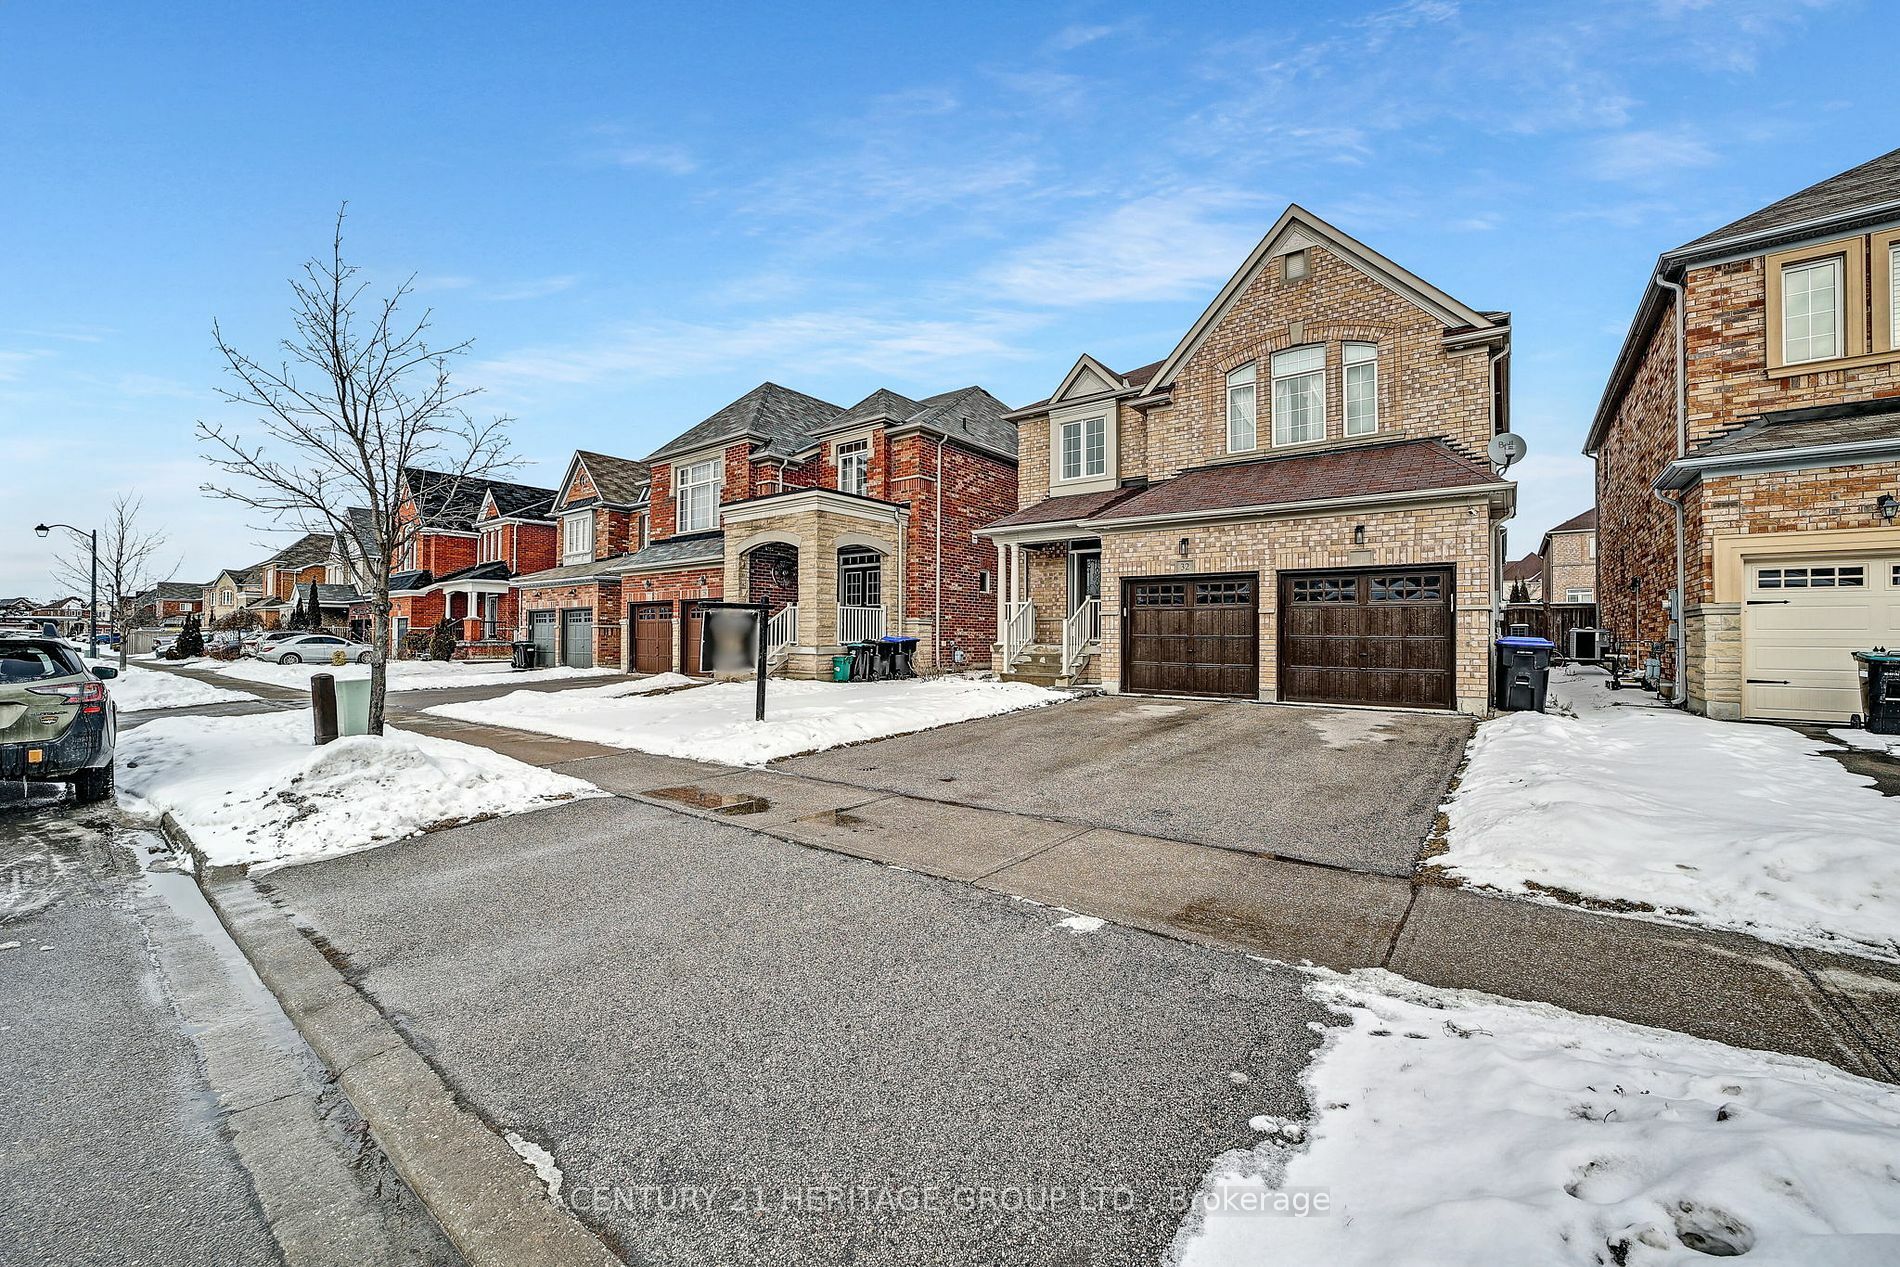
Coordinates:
854 466
226 598
860 578
1362 388
577 536
1084 448
698 491
1811 317
1580 596
490 546
1893 296
1240 430
1295 266
1299 395
985 583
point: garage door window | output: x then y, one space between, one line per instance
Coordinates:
1811 578
1166 594
1325 589
1409 587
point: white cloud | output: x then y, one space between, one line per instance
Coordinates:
1647 154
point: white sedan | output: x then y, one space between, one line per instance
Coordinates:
317 648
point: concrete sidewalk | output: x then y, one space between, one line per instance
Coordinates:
1721 986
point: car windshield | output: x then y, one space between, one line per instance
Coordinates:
33 664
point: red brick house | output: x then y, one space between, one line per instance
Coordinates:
569 605
1294 504
168 602
847 523
1748 456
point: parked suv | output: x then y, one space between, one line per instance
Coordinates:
316 648
57 723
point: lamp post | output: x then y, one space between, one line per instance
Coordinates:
92 648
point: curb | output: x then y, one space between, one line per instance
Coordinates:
486 1199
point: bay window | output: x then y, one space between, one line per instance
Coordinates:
1362 388
1299 395
1240 429
698 491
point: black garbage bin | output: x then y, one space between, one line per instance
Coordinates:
863 660
524 655
1523 673
897 656
1880 690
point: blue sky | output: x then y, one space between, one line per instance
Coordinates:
640 212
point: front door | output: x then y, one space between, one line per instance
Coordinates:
577 637
652 637
1085 577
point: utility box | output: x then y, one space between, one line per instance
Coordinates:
1586 644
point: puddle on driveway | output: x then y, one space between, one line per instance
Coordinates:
707 799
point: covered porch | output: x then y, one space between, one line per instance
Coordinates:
829 568
1049 607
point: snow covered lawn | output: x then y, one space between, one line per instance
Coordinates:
138 690
715 722
1458 1128
255 790
404 675
1722 824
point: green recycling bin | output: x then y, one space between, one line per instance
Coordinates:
352 706
841 668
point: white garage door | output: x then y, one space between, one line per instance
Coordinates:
1801 620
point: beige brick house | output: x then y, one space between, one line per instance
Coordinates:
1569 555
1748 455
1294 504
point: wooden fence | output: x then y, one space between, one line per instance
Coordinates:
1550 620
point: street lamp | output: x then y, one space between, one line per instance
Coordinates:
42 530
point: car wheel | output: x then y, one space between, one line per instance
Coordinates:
363 659
92 786
290 657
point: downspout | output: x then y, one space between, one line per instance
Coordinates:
936 624
1680 695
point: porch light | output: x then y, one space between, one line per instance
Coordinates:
1358 534
1888 506
1182 549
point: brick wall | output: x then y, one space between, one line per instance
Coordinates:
602 597
1570 564
532 547
442 554
1636 541
772 575
977 489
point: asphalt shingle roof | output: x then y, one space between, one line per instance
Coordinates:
701 547
571 571
1577 523
1809 428
776 417
620 480
1528 568
1401 466
312 547
449 502
1062 509
330 595
971 415
1874 182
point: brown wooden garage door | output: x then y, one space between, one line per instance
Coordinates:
1191 635
1367 637
652 637
693 625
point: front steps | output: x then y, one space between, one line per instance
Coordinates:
1041 665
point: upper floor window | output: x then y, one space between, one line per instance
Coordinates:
1299 395
1893 295
1362 388
698 491
1811 311
1240 429
577 537
854 466
1084 448
490 548
226 598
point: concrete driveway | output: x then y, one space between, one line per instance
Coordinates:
1345 787
742 1051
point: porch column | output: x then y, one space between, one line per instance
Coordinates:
1002 587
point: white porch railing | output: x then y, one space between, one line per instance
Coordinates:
1081 629
1019 630
857 624
780 633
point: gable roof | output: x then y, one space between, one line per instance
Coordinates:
1860 196
968 414
310 549
1528 568
452 503
172 592
1585 522
880 404
1296 220
770 415
622 481
518 501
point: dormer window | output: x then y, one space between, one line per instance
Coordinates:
1084 448
1299 395
1362 388
1240 410
854 466
577 537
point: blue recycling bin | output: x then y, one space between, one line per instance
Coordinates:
1523 673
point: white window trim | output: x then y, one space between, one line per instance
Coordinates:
1247 376
1059 420
573 551
860 447
1588 595
1274 381
1347 366
681 484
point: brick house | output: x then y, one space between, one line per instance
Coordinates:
846 523
1569 554
569 604
168 603
232 591
1294 504
1748 455
309 560
1528 572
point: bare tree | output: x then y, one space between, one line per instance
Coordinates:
128 565
358 398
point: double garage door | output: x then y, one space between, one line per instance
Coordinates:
653 637
1379 637
1801 622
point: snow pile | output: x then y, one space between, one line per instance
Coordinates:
715 723
255 790
1728 825
1457 1128
404 675
137 690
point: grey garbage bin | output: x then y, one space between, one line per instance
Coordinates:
1879 690
1523 673
524 654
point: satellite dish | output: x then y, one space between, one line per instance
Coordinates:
1507 448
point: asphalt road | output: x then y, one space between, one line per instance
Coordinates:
1280 780
740 1051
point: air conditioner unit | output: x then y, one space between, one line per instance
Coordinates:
1586 644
